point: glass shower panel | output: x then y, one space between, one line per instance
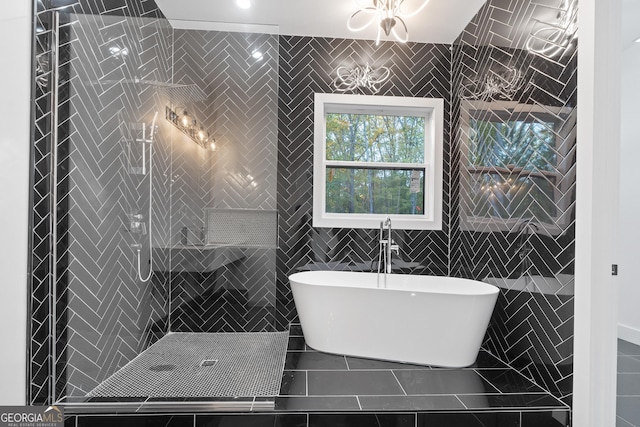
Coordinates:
224 284
134 257
112 194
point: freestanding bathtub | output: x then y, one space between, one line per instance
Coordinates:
426 320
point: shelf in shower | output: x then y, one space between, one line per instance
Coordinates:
195 259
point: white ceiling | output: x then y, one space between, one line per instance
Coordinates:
441 21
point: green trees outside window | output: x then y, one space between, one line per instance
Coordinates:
375 164
376 157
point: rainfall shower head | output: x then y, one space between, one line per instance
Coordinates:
178 94
184 94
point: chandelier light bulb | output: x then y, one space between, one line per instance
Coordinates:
189 126
185 119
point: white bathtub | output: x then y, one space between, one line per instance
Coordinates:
426 320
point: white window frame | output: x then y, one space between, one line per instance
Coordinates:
564 144
432 109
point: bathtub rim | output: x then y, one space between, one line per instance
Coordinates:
412 282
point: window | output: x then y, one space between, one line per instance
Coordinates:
519 164
377 156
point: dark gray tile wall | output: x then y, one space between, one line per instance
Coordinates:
308 65
532 326
240 111
111 315
40 284
104 315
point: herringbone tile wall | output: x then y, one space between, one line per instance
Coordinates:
110 315
116 63
532 327
103 316
308 65
240 111
40 286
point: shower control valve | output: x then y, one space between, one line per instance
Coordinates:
138 227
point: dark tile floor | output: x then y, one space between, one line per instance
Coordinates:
628 408
324 390
315 381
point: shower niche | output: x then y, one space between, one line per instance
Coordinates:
223 240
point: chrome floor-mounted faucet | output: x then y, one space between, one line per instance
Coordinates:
387 247
390 246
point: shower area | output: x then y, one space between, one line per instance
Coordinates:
156 164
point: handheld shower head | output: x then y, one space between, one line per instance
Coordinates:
152 131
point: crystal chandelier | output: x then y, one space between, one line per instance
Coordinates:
388 15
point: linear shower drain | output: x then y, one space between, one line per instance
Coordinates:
206 363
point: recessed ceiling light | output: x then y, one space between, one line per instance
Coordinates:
637 40
243 4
